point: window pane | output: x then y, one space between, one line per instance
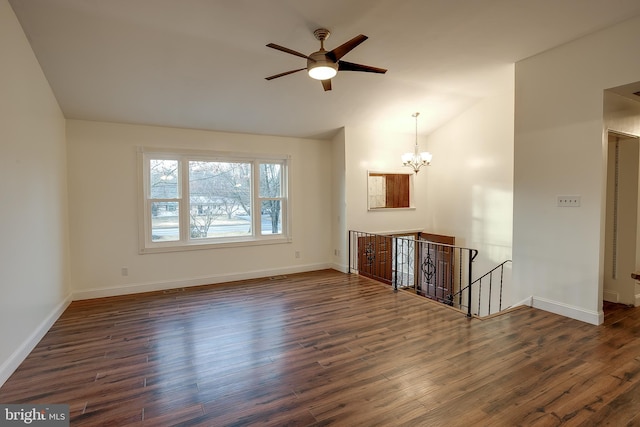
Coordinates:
163 179
165 225
270 180
271 217
220 199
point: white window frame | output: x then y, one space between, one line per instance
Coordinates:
185 242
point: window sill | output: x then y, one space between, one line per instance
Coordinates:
410 208
179 247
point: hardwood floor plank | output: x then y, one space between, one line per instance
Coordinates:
326 348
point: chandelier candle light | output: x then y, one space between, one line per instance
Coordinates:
416 159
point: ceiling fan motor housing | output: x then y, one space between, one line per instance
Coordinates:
320 59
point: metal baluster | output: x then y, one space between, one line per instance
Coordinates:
460 287
472 255
490 288
395 261
501 283
349 270
479 295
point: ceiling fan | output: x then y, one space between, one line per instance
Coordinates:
323 65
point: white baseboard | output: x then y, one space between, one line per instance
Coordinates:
528 302
577 313
17 357
340 267
197 281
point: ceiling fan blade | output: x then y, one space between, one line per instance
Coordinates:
286 73
287 50
326 84
350 66
345 48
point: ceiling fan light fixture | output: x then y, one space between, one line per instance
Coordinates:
322 72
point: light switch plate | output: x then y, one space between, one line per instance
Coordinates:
568 201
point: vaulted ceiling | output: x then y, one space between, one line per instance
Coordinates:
202 63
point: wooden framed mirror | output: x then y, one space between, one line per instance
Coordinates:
389 190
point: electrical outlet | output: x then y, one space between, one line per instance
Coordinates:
297 254
568 201
124 271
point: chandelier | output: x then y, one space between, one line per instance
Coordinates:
416 159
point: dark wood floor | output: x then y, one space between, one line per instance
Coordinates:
327 348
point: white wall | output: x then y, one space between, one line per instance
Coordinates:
376 150
622 213
467 192
470 182
34 255
104 223
339 203
559 150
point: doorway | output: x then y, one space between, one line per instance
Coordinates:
621 224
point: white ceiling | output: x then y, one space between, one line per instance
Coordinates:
201 63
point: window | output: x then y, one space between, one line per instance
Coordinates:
193 200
